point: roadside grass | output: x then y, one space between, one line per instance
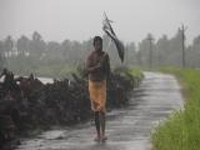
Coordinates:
137 73
181 131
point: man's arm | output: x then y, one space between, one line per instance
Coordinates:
93 69
90 68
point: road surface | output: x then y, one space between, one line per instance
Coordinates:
127 129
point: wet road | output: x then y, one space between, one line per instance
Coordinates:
127 129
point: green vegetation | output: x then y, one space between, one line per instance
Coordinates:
137 73
182 130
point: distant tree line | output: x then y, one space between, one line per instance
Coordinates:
164 52
49 57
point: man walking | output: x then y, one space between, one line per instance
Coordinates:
98 68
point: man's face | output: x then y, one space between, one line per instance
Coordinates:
98 45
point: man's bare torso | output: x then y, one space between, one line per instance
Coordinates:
93 60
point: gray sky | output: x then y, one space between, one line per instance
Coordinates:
81 19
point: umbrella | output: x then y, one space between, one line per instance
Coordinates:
110 32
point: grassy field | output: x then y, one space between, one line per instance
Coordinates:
182 130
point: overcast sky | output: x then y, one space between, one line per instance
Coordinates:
81 19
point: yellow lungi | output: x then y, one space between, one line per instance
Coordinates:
97 90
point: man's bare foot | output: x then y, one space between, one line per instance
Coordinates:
97 139
104 138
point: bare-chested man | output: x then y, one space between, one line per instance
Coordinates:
98 68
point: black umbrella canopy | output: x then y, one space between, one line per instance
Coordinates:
110 32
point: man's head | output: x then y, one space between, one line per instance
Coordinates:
98 43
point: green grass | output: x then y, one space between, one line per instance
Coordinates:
137 73
137 76
182 130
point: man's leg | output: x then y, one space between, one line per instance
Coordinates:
103 125
97 124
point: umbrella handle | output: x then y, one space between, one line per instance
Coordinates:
109 43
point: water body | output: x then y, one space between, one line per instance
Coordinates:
44 80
